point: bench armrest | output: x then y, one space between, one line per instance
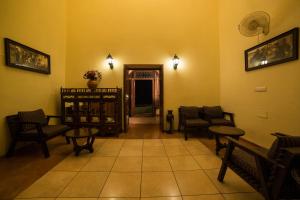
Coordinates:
231 116
250 149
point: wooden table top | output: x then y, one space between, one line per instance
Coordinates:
227 130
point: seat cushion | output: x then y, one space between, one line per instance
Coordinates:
49 130
191 112
196 123
213 111
36 116
221 122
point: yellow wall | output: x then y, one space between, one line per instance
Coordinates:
147 32
40 25
281 101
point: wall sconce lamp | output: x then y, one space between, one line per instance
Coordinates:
110 61
175 61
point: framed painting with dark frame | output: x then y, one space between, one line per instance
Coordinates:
23 57
280 49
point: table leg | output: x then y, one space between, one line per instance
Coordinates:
218 144
76 147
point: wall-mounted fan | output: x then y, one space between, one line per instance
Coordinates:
255 23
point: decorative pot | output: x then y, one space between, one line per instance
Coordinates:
92 84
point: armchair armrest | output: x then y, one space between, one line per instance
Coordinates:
279 134
231 116
38 127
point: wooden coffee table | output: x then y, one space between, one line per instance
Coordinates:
88 133
225 131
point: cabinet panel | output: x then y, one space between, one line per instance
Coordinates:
101 108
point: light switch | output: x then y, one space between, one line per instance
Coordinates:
260 89
263 115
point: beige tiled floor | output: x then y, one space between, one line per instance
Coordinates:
147 169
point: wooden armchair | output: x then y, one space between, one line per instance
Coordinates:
33 126
217 117
273 172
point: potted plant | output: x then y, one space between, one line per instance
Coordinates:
93 77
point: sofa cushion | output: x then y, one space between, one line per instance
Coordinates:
36 116
196 123
190 112
282 142
49 130
213 111
221 122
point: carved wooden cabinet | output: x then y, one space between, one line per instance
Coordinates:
100 108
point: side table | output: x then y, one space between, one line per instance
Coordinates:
225 131
88 133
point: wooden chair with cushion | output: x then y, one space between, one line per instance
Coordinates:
33 126
274 172
217 117
192 118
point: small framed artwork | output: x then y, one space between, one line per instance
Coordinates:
280 49
23 57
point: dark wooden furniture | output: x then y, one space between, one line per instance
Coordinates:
88 133
271 172
217 117
222 131
33 126
100 108
191 117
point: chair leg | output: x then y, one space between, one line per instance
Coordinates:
185 134
45 149
11 149
222 172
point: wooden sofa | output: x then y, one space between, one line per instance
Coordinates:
193 117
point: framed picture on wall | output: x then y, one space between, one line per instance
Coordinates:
280 49
21 56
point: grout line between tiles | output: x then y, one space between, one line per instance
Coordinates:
173 174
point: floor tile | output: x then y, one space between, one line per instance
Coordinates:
243 196
99 164
108 150
71 163
152 142
208 161
49 185
128 164
195 183
156 164
133 142
198 150
204 197
119 198
161 198
192 142
131 151
179 163
231 183
38 199
114 142
176 150
80 198
85 184
159 184
122 185
172 142
154 151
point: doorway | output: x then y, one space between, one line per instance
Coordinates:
143 95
